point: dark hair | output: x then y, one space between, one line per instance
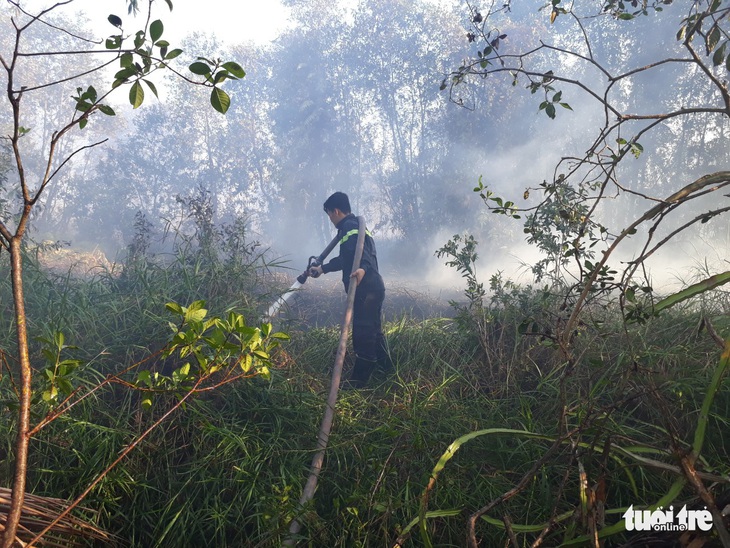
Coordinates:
338 200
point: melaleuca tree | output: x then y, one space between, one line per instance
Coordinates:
312 118
399 61
360 111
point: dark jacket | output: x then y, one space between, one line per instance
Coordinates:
347 231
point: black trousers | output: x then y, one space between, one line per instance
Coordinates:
367 332
368 341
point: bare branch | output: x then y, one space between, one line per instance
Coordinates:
70 78
35 18
679 196
56 27
68 158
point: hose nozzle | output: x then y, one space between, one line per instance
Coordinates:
313 261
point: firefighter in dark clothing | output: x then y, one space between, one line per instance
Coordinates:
367 336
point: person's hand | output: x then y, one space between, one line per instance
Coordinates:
358 275
316 271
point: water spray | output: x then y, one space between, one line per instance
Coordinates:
301 279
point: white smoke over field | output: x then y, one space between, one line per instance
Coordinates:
325 106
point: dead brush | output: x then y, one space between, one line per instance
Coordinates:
39 512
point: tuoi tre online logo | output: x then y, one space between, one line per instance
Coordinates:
666 520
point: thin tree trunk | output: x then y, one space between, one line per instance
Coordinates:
22 440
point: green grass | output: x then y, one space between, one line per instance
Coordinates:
228 469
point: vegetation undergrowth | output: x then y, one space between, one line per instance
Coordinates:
229 467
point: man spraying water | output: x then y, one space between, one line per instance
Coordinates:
367 335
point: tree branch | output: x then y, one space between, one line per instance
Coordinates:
55 172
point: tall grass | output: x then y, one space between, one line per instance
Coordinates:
229 468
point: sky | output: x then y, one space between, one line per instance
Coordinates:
231 21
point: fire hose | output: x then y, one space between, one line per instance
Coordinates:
329 412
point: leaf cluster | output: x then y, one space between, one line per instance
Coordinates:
59 374
150 53
210 346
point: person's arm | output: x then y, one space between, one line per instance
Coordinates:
333 266
347 250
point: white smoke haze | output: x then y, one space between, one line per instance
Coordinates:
346 97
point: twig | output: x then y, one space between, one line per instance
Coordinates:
510 533
717 518
719 341
523 483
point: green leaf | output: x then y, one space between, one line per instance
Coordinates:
126 60
695 289
220 76
630 295
431 514
115 20
136 95
83 106
174 53
715 386
144 377
65 386
83 122
139 39
195 312
106 109
550 110
713 38
235 69
156 29
246 363
113 42
195 315
151 86
199 68
719 56
197 305
125 73
220 100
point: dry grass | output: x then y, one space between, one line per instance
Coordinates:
39 512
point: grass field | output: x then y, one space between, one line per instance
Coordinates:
481 413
